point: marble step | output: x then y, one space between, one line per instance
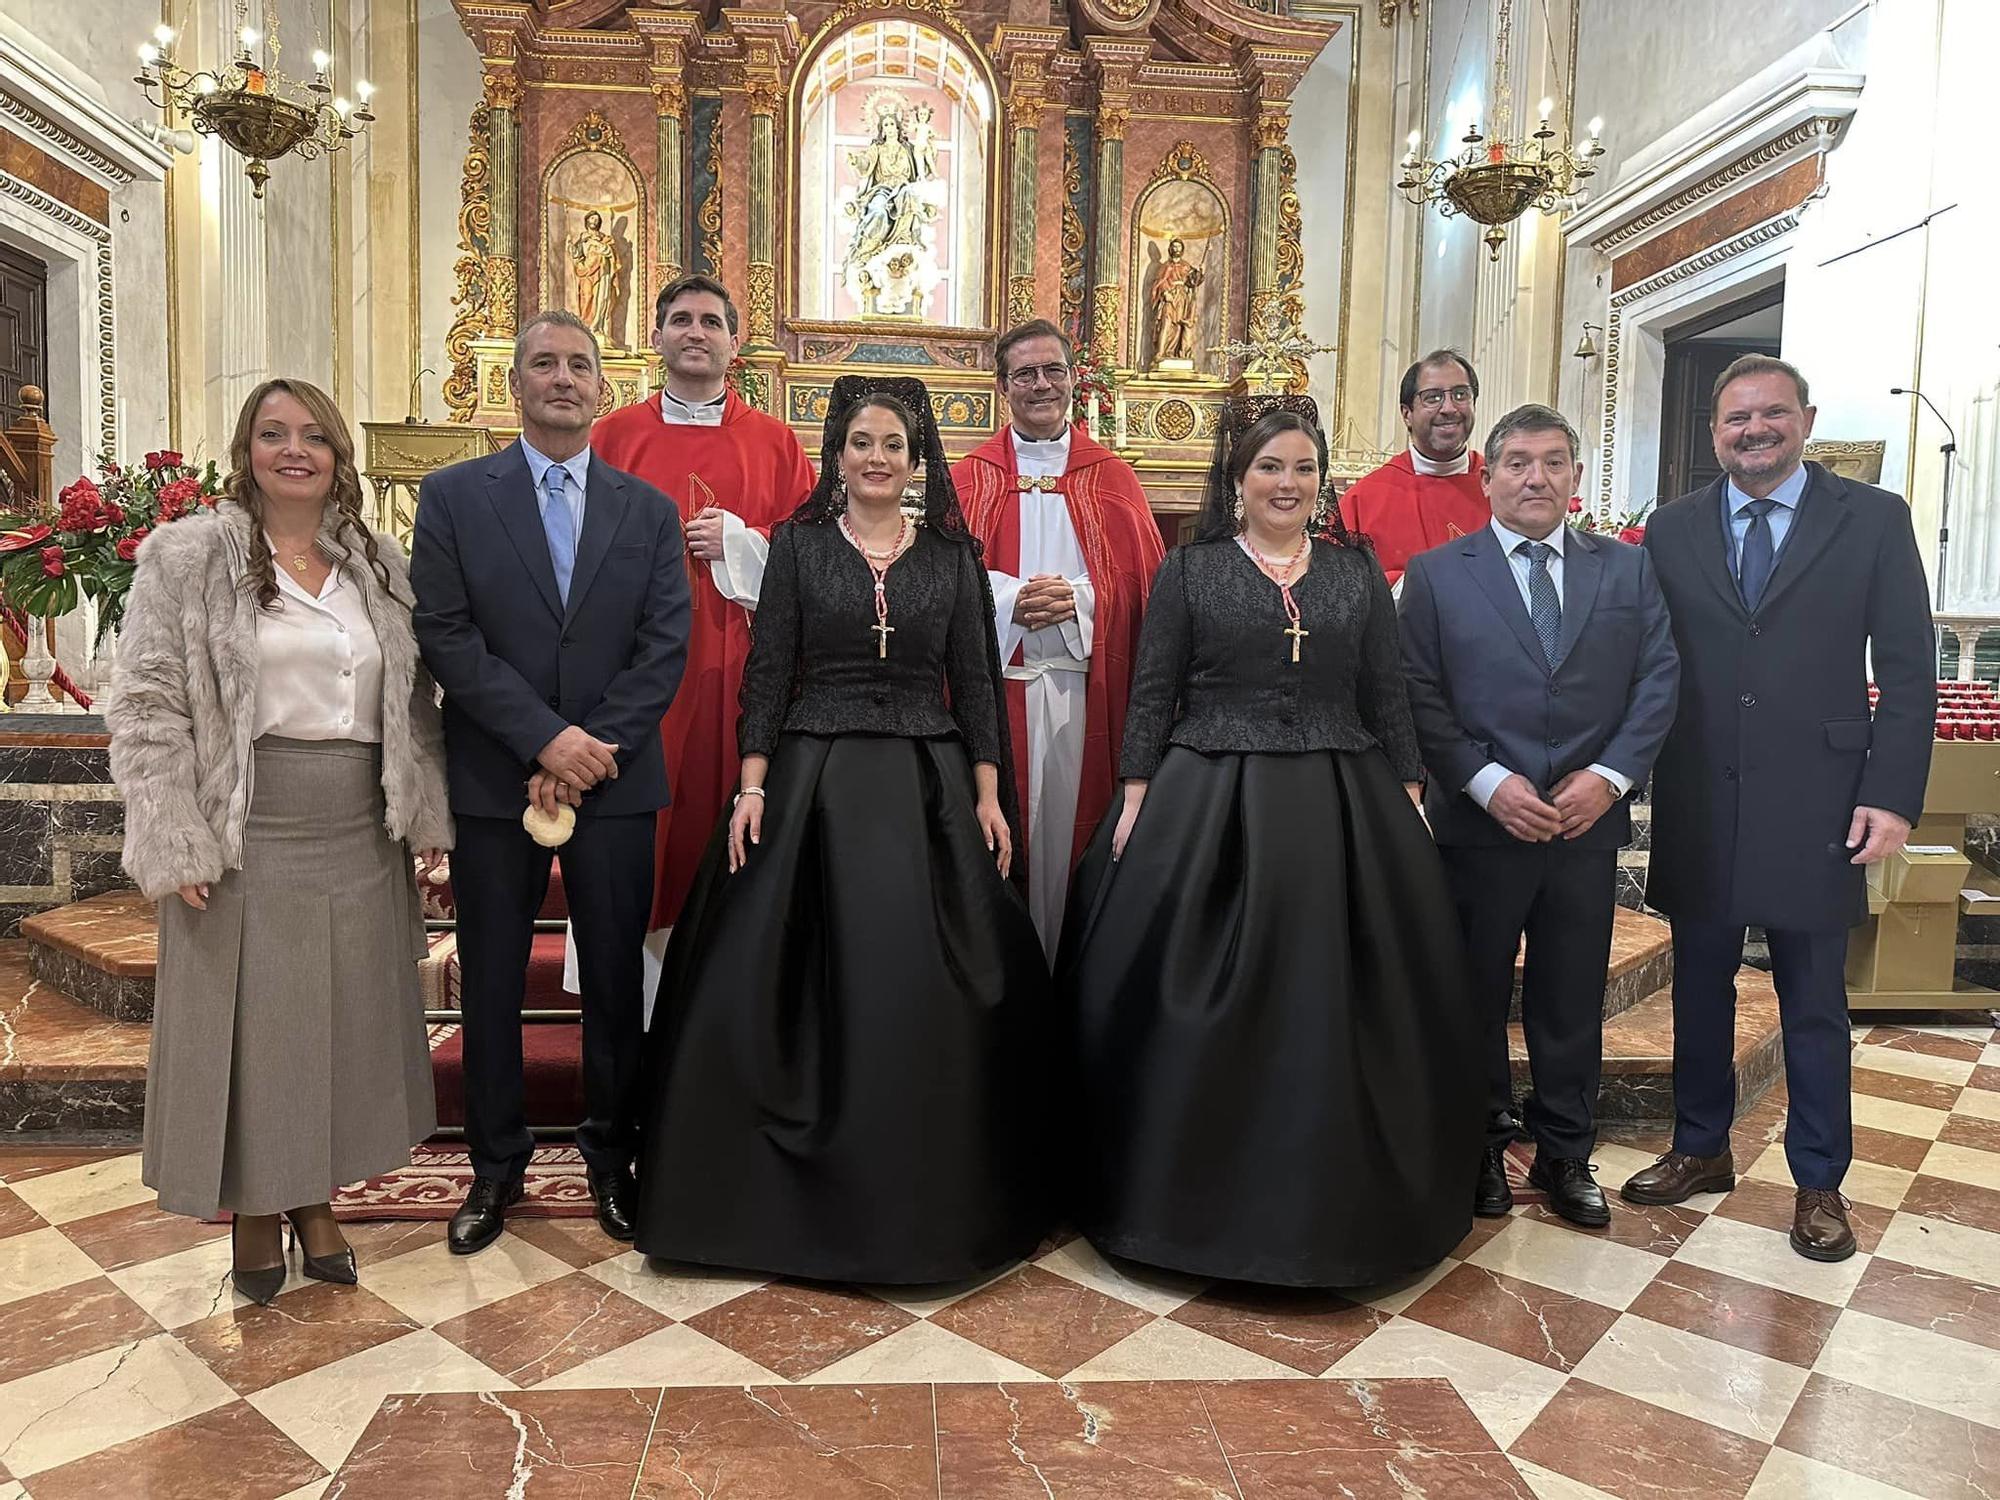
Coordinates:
65 1067
1637 1085
1642 961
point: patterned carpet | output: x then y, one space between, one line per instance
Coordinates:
1686 1352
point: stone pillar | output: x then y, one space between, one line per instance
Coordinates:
1024 115
1273 123
1114 112
503 240
670 172
761 295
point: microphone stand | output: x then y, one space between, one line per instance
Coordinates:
1949 448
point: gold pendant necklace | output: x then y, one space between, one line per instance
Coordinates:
299 561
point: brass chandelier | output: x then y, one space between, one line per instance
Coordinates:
1495 180
251 106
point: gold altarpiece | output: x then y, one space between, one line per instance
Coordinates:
886 185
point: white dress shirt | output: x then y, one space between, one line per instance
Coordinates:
1460 465
1488 778
319 666
1785 503
576 481
678 413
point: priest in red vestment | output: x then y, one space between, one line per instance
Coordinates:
734 472
1071 547
1424 497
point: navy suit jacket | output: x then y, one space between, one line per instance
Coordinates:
516 666
1481 691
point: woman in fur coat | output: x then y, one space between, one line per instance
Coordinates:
280 751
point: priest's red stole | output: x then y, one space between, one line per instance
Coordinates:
1404 512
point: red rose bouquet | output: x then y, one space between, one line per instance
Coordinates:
1630 527
86 544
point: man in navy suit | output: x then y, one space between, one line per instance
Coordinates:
1776 786
552 608
1542 678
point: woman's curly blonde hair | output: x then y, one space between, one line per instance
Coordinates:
350 526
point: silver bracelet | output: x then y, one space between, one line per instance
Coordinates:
748 791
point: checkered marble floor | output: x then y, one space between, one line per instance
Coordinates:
1685 1352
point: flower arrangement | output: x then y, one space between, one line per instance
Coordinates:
1630 527
749 383
86 545
1096 387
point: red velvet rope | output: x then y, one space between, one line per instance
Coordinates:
17 623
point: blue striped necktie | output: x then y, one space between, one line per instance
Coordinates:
559 524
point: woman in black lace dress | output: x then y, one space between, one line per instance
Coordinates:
1278 1080
848 1039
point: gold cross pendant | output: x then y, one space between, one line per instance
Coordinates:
1297 633
882 634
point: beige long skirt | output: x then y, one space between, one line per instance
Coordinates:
288 1052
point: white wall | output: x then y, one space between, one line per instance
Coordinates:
448 81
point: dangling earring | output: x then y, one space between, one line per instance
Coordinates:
1236 508
840 492
1322 510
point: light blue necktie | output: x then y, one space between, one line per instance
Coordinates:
559 524
1544 608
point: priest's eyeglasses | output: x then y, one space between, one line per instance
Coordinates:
1461 395
1032 375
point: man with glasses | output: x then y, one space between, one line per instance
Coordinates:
1072 548
1430 494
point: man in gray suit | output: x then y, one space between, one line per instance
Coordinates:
1542 677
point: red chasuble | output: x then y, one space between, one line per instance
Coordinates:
1121 550
1404 512
753 466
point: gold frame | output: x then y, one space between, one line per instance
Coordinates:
1858 460
1169 172
613 145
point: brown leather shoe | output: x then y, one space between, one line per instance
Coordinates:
1820 1230
1677 1177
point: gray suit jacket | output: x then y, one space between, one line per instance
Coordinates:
1480 690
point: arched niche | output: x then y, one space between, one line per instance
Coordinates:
1180 205
894 172
593 253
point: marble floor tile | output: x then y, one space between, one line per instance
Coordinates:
253 1347
1865 1181
795 1329
1595 1270
1044 1321
376 1240
324 1410
1536 1323
772 1442
1973 1131
1927 1452
95 1187
1395 1296
1636 1450
550 1328
40 1261
1770 1205
1963 1044
1791 1476
185 1288
1658 1228
1762 1319
1504 1391
138 1232
20 1163
1137 1441
1985 1076
1155 1290
1166 1350
1943 1304
1766 1257
15 1216
1726 1387
1615 1162
922 1353
1549 1485
1887 1148
1898 1086
66 1323
1306 1330
432 1284
1978 1104
1893 1114
76 1409
12 1490
1922 1065
230 1453
314 1491
584 1445
1481 1231
1945 1374
1929 1197
574 1242
1409 1437
676 1290
1939 1245
1963 1164
676 1355
924 1300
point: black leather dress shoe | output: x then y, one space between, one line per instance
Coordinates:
1492 1198
1573 1193
483 1215
617 1198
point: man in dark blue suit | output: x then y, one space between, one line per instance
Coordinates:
552 608
1776 786
1542 678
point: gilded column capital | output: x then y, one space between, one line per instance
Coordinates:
765 94
1113 117
669 97
1024 108
501 86
1273 126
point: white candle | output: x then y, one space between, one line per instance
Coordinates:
1122 427
1090 418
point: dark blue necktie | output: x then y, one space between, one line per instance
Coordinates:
1544 608
1753 567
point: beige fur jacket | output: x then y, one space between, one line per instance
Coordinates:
184 700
